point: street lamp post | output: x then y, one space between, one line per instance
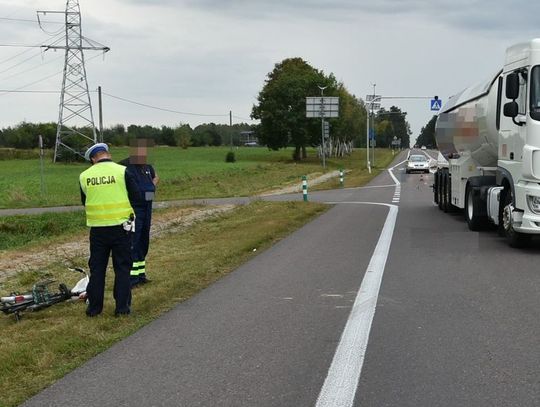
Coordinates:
373 127
369 106
322 88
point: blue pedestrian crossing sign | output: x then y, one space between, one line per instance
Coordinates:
436 104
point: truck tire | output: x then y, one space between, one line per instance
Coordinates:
515 239
473 209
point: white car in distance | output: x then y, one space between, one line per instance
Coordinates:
417 162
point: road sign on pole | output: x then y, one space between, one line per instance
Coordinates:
370 98
322 106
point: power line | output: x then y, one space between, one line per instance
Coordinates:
24 20
30 84
22 53
18 90
20 45
18 20
31 69
20 63
164 109
28 91
243 118
15 56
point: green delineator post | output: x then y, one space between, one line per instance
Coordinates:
304 187
341 177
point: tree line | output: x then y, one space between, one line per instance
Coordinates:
427 135
25 135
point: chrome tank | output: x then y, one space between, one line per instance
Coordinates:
467 124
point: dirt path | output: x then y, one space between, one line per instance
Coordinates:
298 188
15 261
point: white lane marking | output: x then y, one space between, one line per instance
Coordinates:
341 383
372 186
339 388
392 173
397 192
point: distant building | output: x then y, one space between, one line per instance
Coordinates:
249 139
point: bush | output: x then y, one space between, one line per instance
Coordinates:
230 158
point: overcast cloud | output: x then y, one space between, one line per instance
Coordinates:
212 56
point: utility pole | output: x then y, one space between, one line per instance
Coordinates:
75 105
230 126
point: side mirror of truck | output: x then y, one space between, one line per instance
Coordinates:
511 109
512 86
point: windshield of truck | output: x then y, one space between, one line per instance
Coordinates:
535 93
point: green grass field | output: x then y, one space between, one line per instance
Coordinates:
193 173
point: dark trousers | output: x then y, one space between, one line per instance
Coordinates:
141 238
103 241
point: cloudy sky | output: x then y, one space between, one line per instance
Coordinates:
210 56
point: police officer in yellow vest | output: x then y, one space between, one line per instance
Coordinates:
106 192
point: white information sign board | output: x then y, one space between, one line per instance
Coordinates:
322 106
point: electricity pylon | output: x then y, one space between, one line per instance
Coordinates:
75 104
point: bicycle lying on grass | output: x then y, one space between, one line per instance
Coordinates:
41 296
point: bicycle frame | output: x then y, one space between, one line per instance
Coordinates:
41 297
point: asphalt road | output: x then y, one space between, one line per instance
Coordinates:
451 316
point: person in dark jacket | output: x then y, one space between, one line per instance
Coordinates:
146 178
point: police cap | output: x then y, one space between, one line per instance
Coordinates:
96 148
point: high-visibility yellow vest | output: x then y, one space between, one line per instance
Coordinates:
107 202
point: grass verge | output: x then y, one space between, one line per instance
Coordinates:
47 344
24 230
355 165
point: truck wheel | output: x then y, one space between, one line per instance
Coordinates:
515 239
472 210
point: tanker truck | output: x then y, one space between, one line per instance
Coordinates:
489 136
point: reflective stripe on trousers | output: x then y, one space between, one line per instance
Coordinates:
138 267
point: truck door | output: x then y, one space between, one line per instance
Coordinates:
512 132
